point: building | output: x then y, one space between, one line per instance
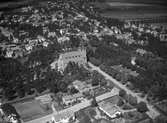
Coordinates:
81 86
69 99
44 99
63 117
77 56
111 112
110 108
163 37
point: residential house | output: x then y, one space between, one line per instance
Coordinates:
69 99
110 110
44 99
81 86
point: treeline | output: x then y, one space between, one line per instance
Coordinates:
152 71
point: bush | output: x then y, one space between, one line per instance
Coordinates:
122 93
126 107
95 61
132 100
120 102
142 107
94 103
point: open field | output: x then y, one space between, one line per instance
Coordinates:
131 15
160 2
30 110
130 10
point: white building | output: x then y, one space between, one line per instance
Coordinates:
77 56
69 99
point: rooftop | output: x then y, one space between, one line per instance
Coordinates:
80 85
109 106
44 99
74 96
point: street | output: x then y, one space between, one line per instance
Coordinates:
76 107
152 113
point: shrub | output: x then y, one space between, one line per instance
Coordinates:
142 107
122 93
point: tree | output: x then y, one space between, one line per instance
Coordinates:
132 100
95 78
160 119
120 102
103 82
142 107
9 109
94 102
75 41
122 93
73 90
94 61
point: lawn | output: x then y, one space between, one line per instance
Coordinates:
30 110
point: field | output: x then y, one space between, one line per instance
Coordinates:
131 14
160 2
130 10
30 110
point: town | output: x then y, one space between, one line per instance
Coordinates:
61 61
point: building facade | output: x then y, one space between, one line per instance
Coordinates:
77 56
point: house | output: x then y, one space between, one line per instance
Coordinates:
81 86
77 56
44 99
63 116
111 111
69 99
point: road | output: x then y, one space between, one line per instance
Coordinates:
152 113
76 107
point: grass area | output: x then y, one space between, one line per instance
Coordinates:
31 109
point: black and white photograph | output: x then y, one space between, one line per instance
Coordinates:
83 61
